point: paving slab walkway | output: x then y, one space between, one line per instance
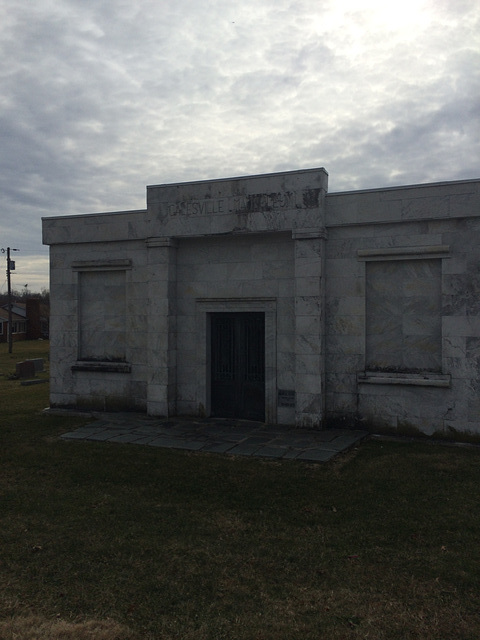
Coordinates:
217 435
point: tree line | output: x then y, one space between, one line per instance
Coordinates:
21 295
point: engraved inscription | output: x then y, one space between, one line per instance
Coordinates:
234 204
198 207
265 201
286 398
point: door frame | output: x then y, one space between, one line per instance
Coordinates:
204 307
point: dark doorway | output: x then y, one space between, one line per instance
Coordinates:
238 365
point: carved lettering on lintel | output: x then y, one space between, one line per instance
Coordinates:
234 204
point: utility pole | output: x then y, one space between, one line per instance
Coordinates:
10 267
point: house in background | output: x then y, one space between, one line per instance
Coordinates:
20 308
19 325
267 298
30 320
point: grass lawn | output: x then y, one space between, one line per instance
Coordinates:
110 541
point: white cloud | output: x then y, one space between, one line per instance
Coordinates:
99 98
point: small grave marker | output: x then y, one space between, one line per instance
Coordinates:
25 369
38 363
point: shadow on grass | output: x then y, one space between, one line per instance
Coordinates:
380 543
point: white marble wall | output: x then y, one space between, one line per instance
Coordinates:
439 222
252 243
279 245
74 381
236 246
253 273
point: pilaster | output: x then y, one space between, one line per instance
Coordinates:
162 326
309 327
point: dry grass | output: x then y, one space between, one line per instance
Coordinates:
38 628
143 543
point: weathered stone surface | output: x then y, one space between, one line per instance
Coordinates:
362 293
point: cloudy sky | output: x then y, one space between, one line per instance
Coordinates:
99 98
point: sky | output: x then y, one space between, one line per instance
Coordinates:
99 98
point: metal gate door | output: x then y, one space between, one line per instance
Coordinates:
238 365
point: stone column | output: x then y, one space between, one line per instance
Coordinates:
162 326
309 328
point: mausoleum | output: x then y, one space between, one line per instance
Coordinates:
266 298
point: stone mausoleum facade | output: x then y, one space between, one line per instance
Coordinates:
266 298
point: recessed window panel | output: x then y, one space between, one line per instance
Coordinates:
403 323
102 316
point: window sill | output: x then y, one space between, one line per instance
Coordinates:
417 379
103 367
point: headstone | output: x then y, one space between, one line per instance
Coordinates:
25 369
38 363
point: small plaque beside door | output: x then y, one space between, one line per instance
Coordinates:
286 398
